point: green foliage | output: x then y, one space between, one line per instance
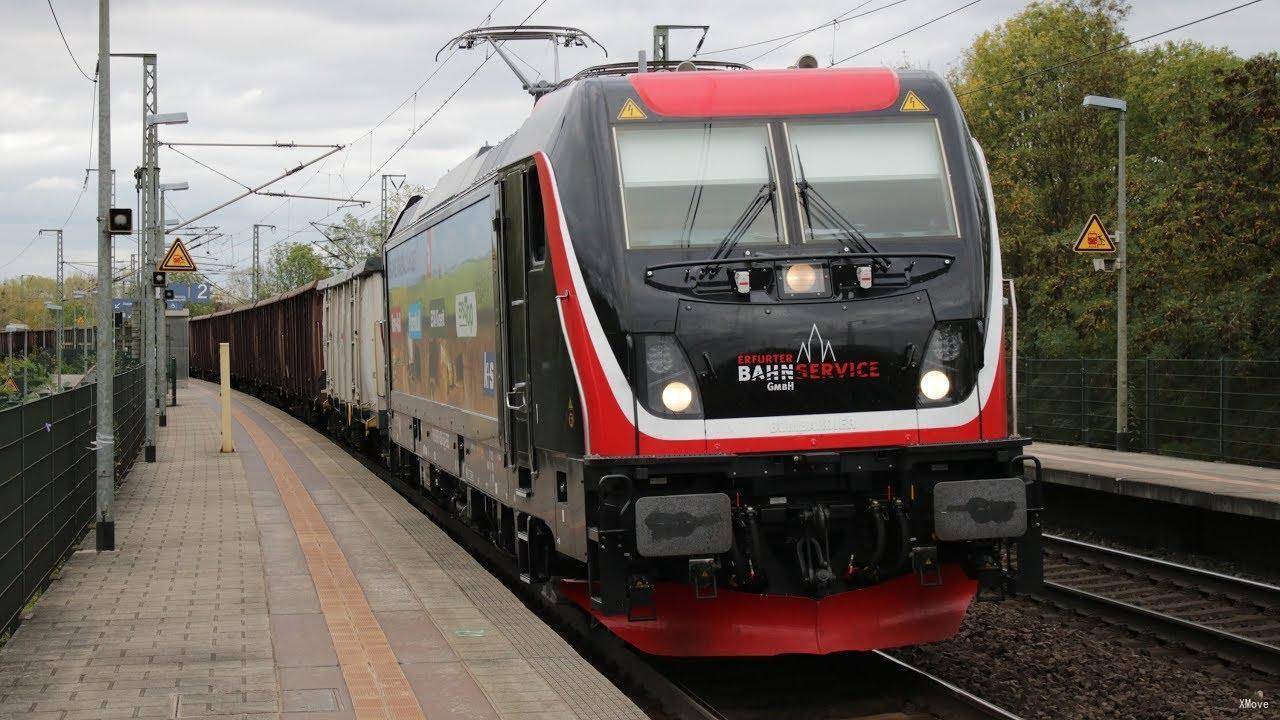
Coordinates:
290 265
22 300
28 375
1202 152
353 239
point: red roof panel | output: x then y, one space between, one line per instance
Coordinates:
766 92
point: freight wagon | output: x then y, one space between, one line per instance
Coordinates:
355 391
275 347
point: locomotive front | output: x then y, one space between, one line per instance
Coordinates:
781 293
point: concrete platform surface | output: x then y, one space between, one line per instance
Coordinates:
1225 487
283 581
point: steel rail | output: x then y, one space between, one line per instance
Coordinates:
1264 591
1261 655
987 709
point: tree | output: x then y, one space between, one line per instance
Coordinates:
1202 164
353 239
290 265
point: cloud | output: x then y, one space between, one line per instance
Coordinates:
53 182
325 71
248 97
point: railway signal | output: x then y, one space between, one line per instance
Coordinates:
120 221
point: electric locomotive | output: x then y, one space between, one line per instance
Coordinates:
717 354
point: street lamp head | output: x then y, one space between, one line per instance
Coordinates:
174 186
1107 103
178 118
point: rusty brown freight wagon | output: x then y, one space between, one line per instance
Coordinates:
275 346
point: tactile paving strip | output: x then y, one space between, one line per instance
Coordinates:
378 687
588 693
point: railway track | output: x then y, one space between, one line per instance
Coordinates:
851 686
870 686
1232 618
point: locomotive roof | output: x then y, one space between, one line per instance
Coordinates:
687 95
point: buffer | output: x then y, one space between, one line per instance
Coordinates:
178 259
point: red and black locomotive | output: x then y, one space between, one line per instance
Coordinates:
717 354
746 387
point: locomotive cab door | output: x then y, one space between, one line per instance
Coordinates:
518 400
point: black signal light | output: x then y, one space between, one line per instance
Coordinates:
120 221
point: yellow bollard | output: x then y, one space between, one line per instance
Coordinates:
224 371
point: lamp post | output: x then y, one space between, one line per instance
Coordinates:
153 312
104 445
162 323
254 283
1122 279
58 299
57 308
75 332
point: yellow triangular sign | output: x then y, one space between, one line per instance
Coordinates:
10 386
178 259
1094 238
631 111
913 103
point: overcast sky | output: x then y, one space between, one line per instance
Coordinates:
324 71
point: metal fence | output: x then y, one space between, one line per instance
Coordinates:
1206 409
48 481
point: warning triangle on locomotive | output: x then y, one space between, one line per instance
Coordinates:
715 353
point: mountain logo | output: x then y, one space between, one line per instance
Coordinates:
825 353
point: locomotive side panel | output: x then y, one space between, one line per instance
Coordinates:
443 339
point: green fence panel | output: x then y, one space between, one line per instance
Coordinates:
48 481
1208 409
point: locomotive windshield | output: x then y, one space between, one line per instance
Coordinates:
688 185
886 179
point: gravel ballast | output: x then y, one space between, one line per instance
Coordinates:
1043 662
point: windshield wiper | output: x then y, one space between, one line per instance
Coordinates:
762 199
815 204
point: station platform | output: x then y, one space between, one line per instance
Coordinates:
283 581
1222 487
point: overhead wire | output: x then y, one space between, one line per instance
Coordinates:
442 105
369 133
210 169
79 196
833 24
1100 53
68 45
373 173
906 32
798 34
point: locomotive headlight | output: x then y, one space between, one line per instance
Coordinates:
677 396
669 386
935 385
801 278
804 280
947 371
